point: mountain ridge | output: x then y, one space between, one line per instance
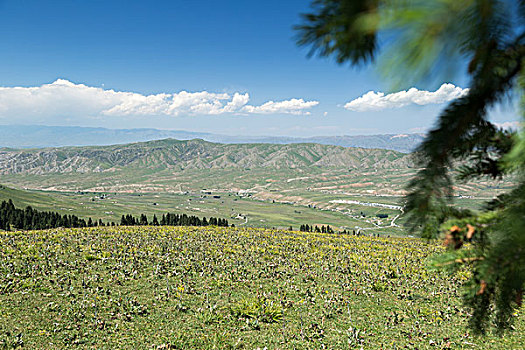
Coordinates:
194 154
37 136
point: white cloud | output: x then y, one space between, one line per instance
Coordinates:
237 102
399 136
375 101
293 106
67 99
419 130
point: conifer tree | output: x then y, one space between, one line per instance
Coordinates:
155 221
429 38
143 220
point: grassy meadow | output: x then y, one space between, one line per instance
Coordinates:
239 210
262 198
220 288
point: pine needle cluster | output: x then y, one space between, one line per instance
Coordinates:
430 39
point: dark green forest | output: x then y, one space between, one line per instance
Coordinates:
31 219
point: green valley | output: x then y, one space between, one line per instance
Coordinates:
256 185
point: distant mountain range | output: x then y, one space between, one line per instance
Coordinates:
177 155
36 136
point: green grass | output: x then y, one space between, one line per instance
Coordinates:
216 288
238 210
269 185
266 197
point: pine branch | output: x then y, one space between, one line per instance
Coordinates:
459 126
336 28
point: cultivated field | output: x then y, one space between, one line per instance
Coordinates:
205 288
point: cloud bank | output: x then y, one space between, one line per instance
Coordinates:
376 101
293 106
64 98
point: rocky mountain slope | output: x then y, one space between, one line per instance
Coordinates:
193 154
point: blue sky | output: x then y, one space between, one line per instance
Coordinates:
70 55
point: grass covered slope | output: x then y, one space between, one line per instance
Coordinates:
192 154
237 210
206 288
24 198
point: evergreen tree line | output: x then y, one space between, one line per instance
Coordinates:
31 219
322 229
328 229
171 219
